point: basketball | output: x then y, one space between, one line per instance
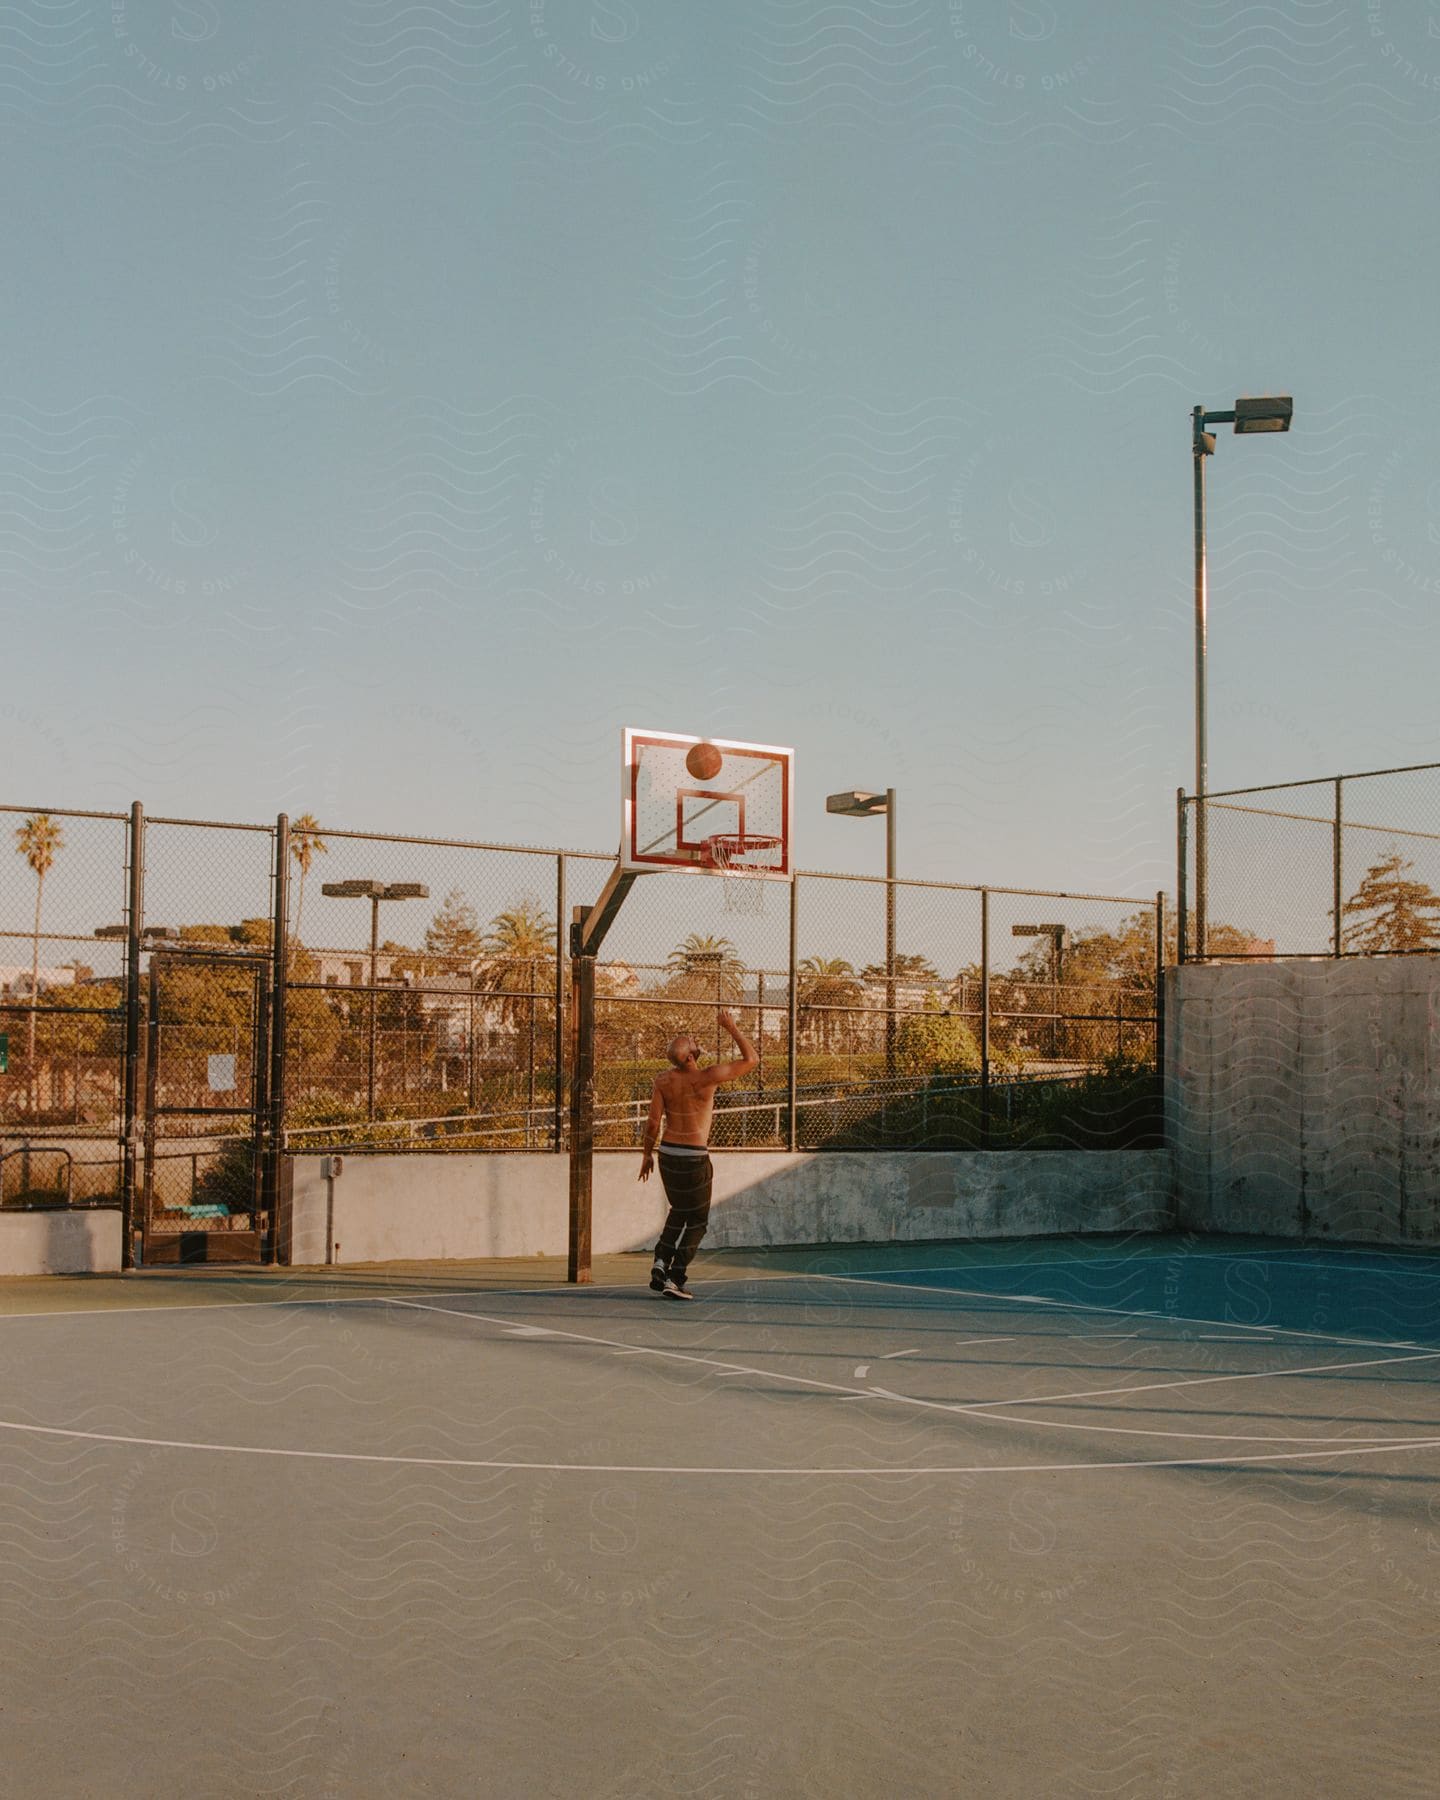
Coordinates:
704 761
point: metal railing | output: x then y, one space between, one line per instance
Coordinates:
1336 866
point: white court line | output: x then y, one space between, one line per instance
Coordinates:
1152 1387
890 1355
969 1343
181 1306
1317 1450
1320 1260
980 1408
1128 1312
557 1468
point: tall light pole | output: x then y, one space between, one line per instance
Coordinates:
1271 412
374 892
858 804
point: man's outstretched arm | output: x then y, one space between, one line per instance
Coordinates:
745 1064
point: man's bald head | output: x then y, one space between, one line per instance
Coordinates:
682 1050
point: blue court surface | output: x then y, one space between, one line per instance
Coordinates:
1150 1516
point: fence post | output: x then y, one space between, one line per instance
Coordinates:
792 1141
760 1032
1339 891
984 1018
130 1068
559 1049
582 1105
1160 991
279 978
1182 873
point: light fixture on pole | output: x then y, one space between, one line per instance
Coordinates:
859 803
1267 413
374 892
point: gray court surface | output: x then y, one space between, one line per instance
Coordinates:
1150 1517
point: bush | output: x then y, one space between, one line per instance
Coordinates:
933 1042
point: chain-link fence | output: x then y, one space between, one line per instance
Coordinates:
62 1005
420 999
204 1000
984 1018
426 993
1346 865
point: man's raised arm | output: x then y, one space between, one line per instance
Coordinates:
745 1064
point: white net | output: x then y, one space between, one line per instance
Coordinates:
741 859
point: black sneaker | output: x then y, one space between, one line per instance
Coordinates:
675 1288
658 1279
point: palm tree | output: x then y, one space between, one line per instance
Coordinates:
701 946
523 933
700 954
518 939
37 840
910 969
823 982
305 844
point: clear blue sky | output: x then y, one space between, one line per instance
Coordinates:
400 400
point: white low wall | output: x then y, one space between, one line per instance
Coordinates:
436 1206
1304 1097
59 1243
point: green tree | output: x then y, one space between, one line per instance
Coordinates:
78 1027
454 933
522 933
207 1007
1390 912
38 840
306 844
935 1042
823 983
699 950
703 967
910 969
519 942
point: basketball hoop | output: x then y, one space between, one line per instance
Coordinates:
741 857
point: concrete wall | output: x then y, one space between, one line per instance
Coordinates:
424 1206
56 1242
1305 1097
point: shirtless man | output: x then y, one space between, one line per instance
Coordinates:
683 1099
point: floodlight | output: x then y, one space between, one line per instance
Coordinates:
856 804
1271 413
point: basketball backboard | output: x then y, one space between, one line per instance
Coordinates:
734 821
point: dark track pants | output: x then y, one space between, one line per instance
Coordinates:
686 1180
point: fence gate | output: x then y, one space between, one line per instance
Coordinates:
207 1196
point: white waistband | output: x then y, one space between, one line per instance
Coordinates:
683 1150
